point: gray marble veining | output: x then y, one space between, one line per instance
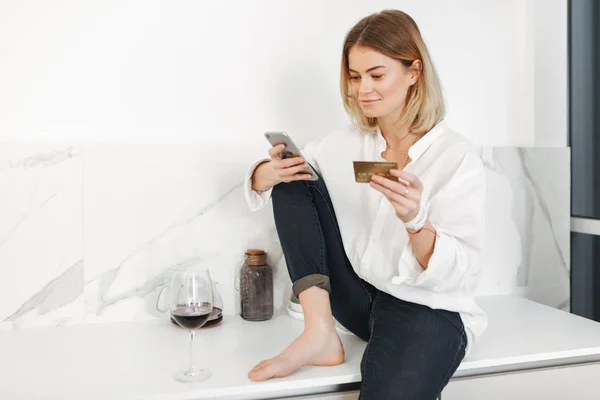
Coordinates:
58 292
44 159
146 285
41 235
529 199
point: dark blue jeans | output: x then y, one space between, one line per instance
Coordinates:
412 350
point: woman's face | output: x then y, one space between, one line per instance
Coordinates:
379 83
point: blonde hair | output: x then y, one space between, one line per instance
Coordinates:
396 35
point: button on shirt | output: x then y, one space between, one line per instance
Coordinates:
376 241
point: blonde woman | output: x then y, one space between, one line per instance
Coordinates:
395 261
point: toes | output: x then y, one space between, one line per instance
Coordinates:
263 373
257 373
254 376
259 365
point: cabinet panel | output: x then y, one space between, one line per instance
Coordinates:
353 395
585 275
584 64
577 382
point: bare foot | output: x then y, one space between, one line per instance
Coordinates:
312 347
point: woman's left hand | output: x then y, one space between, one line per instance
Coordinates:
406 199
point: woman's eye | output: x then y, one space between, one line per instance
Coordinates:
377 76
354 78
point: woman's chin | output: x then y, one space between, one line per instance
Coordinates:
371 113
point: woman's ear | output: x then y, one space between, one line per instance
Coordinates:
415 71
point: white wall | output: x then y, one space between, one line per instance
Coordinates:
550 53
225 71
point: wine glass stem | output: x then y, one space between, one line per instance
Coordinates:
191 351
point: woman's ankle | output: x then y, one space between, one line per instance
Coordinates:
317 310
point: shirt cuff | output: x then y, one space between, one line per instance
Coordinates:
445 270
447 265
254 199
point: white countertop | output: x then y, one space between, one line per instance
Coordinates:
136 360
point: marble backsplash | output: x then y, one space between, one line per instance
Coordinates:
89 233
527 248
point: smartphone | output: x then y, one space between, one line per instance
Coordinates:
291 150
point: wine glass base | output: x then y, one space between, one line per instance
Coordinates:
192 375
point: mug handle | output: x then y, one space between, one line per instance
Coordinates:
158 308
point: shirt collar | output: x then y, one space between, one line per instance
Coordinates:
422 144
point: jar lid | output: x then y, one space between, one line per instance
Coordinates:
256 257
255 252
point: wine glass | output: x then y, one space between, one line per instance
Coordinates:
190 303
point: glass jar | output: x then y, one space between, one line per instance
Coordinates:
256 287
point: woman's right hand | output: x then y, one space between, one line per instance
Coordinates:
288 169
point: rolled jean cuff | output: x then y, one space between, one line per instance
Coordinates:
305 282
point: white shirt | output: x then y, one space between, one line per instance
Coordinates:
376 241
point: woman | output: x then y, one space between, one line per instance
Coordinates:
395 261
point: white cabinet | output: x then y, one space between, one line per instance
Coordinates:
581 382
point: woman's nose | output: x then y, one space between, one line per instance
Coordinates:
365 86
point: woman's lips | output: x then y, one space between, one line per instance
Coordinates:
368 102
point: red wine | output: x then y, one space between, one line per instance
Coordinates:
215 317
191 317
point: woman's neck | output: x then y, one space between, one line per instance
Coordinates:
392 131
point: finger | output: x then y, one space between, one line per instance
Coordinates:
412 179
397 187
297 177
301 177
288 172
405 177
290 162
275 150
395 198
281 165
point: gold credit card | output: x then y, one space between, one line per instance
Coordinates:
364 170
